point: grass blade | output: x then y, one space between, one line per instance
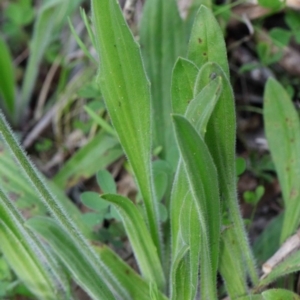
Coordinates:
7 79
144 250
162 39
282 130
202 178
127 96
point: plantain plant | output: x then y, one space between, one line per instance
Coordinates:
204 232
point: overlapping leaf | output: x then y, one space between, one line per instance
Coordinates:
126 92
144 249
202 179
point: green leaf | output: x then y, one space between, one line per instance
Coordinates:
106 182
198 112
92 219
144 250
69 253
177 280
102 148
279 294
235 282
220 138
126 92
292 20
162 39
183 80
281 37
93 201
282 128
206 42
202 178
189 230
7 78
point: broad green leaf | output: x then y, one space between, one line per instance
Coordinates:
279 294
290 265
282 127
102 148
69 253
25 265
197 112
7 78
188 235
126 91
93 201
203 182
144 250
183 81
162 39
137 288
207 42
106 182
220 138
236 283
178 281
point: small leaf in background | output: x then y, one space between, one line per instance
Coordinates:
20 13
183 80
91 91
43 145
273 4
106 182
92 219
160 184
265 54
240 165
253 197
93 201
281 37
163 212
